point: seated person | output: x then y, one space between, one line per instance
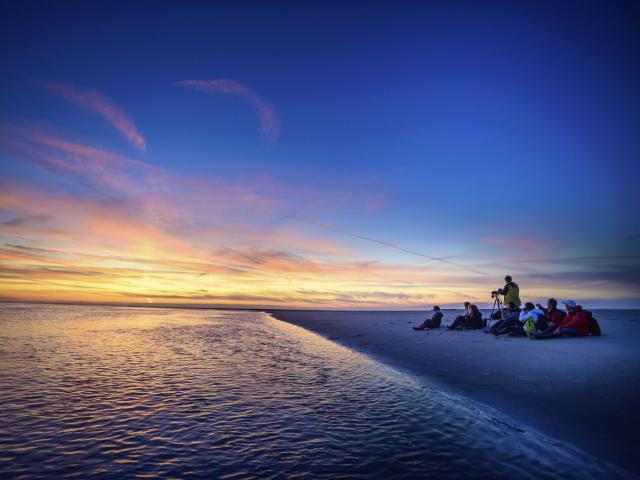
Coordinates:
575 324
552 315
434 321
510 317
466 312
471 322
528 319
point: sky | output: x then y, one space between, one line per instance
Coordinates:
319 155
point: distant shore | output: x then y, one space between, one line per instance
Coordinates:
585 391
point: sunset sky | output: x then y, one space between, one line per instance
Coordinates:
319 155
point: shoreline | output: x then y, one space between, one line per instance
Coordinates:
584 392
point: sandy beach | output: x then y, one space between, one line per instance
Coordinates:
584 391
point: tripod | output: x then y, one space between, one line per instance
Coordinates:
497 304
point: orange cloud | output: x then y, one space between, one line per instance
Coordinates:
117 229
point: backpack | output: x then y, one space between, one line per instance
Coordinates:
594 327
530 326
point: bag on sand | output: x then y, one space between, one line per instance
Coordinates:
530 326
594 327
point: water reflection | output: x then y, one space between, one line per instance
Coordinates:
100 391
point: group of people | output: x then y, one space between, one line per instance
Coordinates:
534 321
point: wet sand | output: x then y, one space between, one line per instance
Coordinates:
585 391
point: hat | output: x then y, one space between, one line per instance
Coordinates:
570 303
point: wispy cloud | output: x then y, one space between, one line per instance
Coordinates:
267 117
93 224
98 103
387 244
88 165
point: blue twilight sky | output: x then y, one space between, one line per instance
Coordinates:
500 136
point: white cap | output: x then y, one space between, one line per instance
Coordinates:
570 303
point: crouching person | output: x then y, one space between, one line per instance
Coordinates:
434 322
575 324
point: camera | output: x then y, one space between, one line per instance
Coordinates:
494 293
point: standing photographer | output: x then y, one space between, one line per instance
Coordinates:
511 292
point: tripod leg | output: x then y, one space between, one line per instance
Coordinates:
495 301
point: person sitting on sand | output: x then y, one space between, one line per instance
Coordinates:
465 315
552 315
471 322
528 319
575 324
511 292
510 318
434 321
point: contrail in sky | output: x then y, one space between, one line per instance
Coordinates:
371 179
386 244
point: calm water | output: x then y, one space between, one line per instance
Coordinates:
133 392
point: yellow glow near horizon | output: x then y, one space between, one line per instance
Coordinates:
142 235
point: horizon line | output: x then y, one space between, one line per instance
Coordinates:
265 309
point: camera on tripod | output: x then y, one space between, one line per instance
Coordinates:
498 307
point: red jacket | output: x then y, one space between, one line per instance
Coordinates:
554 315
578 320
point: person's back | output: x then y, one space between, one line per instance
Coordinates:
512 293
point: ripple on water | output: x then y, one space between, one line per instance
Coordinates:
102 391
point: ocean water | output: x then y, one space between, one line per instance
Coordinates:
106 392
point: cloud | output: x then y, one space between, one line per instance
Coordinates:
91 166
116 228
26 220
267 117
388 244
186 203
98 103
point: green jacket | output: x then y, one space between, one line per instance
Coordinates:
511 293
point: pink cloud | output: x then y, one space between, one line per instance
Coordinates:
98 103
267 117
75 161
137 227
106 243
187 204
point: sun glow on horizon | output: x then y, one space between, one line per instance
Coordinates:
226 171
